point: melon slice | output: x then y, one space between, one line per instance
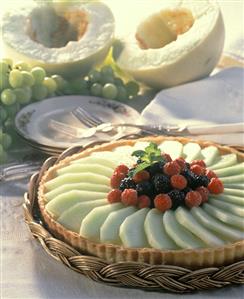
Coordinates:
186 219
239 178
231 170
234 192
227 206
96 160
72 218
64 39
224 161
109 232
93 168
76 186
210 155
91 224
192 151
155 231
132 232
181 236
171 147
217 226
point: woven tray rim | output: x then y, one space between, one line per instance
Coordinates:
124 274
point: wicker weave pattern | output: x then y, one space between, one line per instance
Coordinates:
126 274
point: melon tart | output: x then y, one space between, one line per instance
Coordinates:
156 200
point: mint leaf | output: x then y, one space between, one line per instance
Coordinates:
138 153
140 167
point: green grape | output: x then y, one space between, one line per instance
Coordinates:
107 79
9 61
3 155
39 74
94 76
78 85
8 97
12 110
132 88
6 141
3 115
118 81
60 81
28 79
67 89
96 89
122 94
106 70
50 84
109 91
4 83
9 123
22 66
39 92
15 78
23 96
4 67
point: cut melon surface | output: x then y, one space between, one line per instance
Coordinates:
234 192
231 170
224 161
171 147
85 177
210 155
227 206
109 231
225 231
91 224
72 218
76 186
181 236
96 160
156 234
92 168
229 199
186 219
192 151
239 178
132 233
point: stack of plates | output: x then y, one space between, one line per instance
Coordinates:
33 121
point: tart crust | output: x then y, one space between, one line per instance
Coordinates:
190 258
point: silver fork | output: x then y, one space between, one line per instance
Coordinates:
87 118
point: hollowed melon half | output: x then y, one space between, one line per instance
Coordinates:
180 42
65 39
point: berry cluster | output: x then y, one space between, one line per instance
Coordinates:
164 185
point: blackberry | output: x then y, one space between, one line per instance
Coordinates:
161 183
145 188
191 178
202 180
186 190
177 197
127 183
156 168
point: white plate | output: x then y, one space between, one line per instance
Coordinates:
32 121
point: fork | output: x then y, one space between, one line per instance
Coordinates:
87 118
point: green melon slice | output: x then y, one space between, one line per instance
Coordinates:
237 186
229 207
109 232
85 177
72 218
96 160
229 198
231 170
225 161
224 216
80 168
234 192
66 200
239 178
210 154
132 232
91 224
155 231
192 151
186 219
181 236
173 148
76 186
217 226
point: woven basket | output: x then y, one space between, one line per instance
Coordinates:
123 274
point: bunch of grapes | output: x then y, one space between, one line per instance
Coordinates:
20 84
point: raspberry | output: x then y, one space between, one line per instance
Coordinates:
204 193
144 202
181 162
122 169
129 197
167 157
140 176
193 199
162 202
197 169
171 168
114 196
210 174
178 181
116 179
198 162
215 186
